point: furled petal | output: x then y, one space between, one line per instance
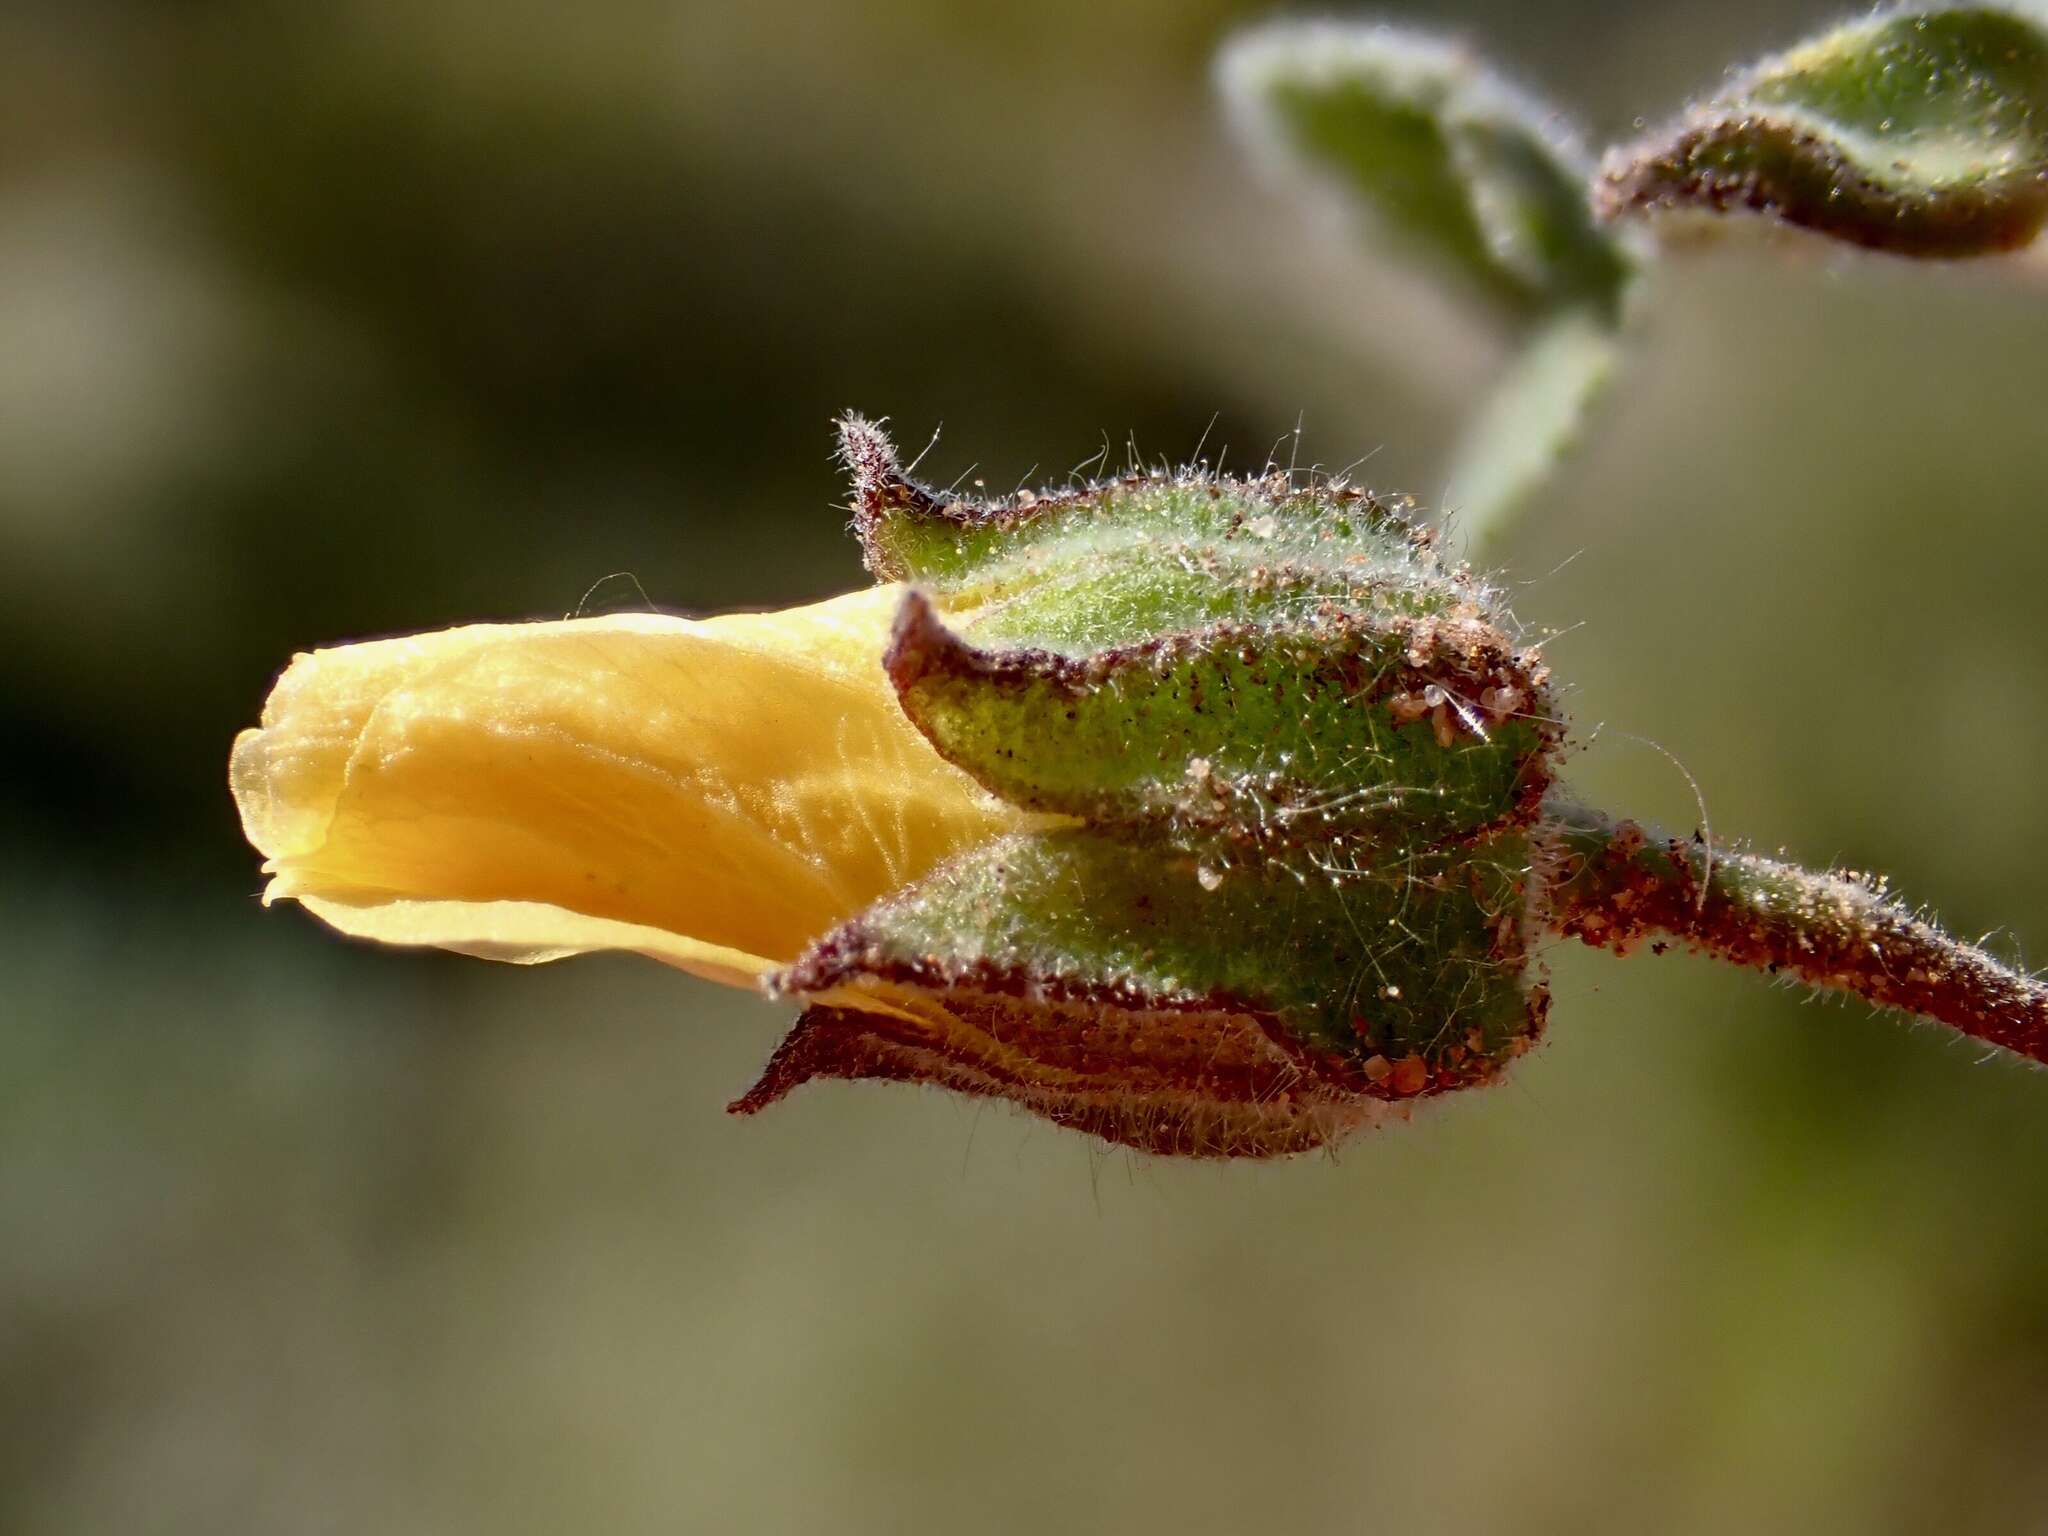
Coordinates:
716 793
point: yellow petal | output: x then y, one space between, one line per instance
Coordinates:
715 793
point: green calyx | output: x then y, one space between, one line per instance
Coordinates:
1296 753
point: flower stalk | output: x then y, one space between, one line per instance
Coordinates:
1614 886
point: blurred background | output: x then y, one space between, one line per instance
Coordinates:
326 321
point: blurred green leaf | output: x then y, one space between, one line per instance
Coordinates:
1920 133
1474 175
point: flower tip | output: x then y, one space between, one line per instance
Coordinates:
880 486
866 451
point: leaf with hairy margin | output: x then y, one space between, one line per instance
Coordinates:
1918 132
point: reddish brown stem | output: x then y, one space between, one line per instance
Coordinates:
1613 885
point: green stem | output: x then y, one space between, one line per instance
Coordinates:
1613 885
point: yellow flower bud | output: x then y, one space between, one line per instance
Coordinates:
714 793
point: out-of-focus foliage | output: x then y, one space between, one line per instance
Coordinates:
1485 187
324 321
1481 182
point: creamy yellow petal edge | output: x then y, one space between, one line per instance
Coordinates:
715 793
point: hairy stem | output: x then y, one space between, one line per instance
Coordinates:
1614 885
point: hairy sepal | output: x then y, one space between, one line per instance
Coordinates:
1173 1001
1919 132
1401 731
1159 546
